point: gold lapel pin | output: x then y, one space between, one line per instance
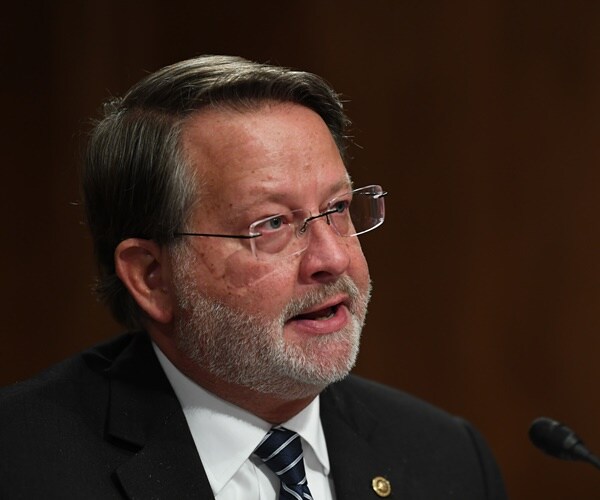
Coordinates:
381 486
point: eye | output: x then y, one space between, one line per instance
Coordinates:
273 224
341 206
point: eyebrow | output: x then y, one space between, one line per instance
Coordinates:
282 198
342 184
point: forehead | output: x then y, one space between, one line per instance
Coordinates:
273 149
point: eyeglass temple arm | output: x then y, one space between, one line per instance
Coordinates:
212 235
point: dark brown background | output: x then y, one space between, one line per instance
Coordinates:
481 118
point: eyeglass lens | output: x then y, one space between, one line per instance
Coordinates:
351 214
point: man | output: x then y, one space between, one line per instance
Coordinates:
225 226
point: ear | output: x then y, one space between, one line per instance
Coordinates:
141 266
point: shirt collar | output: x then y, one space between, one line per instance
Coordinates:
226 435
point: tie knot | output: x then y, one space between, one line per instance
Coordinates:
281 451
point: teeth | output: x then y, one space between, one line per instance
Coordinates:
329 313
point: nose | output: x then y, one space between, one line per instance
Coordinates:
327 255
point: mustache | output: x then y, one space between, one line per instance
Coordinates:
343 285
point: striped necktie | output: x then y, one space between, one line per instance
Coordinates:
281 451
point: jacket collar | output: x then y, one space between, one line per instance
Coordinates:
144 416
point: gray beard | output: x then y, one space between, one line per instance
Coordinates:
249 351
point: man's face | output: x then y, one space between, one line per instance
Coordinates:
287 326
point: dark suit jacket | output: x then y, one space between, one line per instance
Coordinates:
106 424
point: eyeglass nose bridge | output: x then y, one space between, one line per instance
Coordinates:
302 231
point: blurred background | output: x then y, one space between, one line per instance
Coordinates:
481 119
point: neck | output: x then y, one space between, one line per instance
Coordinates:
272 408
268 407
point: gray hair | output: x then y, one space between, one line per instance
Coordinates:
136 181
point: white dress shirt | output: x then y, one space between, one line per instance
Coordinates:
226 435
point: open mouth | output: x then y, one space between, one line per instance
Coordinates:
319 314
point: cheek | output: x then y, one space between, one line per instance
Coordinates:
253 285
241 271
221 268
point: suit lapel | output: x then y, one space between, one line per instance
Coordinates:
354 462
144 416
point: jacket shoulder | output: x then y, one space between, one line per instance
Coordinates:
384 400
66 398
66 377
436 451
